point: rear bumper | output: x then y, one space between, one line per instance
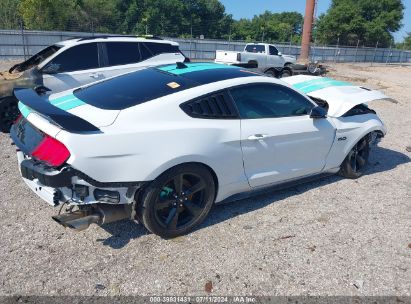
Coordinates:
58 186
46 176
50 195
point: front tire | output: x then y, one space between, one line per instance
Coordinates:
355 162
8 113
177 201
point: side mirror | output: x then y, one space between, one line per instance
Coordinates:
318 112
280 54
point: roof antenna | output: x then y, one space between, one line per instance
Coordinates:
181 65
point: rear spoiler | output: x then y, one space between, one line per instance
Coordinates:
63 119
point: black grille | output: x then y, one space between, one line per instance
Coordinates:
215 106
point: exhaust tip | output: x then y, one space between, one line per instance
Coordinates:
82 219
57 219
62 223
77 220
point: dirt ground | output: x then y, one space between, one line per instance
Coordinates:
330 237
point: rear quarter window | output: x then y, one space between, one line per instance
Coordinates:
161 48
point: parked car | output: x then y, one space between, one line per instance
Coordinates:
261 56
75 62
162 145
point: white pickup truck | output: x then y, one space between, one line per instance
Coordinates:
261 56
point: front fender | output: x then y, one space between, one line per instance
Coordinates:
349 131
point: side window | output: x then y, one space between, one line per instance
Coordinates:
269 101
76 58
255 48
160 48
273 50
145 52
120 53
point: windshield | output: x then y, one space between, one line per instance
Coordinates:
255 48
36 59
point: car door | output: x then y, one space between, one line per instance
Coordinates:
273 59
74 67
279 140
257 53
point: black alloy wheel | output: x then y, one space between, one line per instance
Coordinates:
356 160
178 200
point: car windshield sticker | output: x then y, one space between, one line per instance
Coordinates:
318 84
173 85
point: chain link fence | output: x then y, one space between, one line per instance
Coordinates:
22 43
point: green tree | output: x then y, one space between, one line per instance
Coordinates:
206 17
269 26
369 21
71 15
95 15
175 18
406 44
47 14
9 14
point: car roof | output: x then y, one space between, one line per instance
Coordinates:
137 87
81 40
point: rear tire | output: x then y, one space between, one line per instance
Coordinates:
286 72
177 201
270 73
9 112
355 162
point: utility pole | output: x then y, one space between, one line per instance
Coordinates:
307 28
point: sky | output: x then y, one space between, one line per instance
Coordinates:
247 9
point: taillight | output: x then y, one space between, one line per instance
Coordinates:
51 151
239 57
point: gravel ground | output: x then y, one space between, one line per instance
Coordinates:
329 237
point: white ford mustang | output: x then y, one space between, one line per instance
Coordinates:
161 145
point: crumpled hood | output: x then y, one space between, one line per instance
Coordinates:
70 103
341 96
26 79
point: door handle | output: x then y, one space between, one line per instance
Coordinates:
257 136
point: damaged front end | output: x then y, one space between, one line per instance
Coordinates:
9 80
22 75
339 97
